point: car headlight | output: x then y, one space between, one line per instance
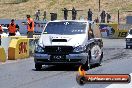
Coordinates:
79 48
127 39
39 49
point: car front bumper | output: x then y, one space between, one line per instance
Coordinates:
129 43
76 59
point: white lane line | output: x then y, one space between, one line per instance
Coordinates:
129 85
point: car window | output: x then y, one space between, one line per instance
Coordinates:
66 28
96 31
90 32
5 30
130 32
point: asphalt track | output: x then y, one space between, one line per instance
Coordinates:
22 74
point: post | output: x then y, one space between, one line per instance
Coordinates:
0 40
44 15
99 5
118 16
53 16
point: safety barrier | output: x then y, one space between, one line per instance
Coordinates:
5 41
18 49
124 26
107 29
120 34
32 42
2 55
19 37
113 30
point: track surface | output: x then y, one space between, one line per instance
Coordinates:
21 73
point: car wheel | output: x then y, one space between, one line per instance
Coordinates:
38 67
96 55
100 61
86 66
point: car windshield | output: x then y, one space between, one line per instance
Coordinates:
65 28
5 30
130 32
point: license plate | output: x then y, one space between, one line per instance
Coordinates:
57 57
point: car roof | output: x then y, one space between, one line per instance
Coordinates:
72 21
4 28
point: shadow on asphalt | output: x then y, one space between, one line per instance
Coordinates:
61 68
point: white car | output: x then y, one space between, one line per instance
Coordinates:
69 43
129 39
6 33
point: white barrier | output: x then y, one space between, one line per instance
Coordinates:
5 43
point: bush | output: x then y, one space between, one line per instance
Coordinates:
20 1
13 1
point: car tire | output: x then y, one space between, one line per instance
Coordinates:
86 66
100 61
38 67
97 63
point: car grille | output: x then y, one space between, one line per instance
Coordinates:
130 39
59 40
58 49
